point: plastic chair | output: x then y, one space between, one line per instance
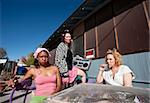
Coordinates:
24 85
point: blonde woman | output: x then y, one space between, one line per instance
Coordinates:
114 72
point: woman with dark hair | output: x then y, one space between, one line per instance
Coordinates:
46 76
64 60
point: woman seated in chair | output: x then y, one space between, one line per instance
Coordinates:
64 61
47 77
114 72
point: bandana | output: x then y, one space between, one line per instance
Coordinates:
40 50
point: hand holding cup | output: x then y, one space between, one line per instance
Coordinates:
103 67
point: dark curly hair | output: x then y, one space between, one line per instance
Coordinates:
63 36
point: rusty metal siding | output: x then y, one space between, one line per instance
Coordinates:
133 32
90 23
78 46
104 14
106 38
78 30
90 39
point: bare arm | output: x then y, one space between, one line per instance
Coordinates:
100 78
127 79
29 74
58 82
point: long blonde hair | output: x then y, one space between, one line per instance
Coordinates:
116 54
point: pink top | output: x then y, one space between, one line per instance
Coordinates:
45 85
72 75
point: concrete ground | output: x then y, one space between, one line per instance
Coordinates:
18 96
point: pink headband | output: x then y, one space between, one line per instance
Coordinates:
39 50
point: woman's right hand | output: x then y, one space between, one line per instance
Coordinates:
10 83
99 78
103 67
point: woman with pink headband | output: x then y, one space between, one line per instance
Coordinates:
47 77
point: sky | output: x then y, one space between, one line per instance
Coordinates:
25 24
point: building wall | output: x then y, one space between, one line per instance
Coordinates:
121 24
125 27
128 31
78 44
